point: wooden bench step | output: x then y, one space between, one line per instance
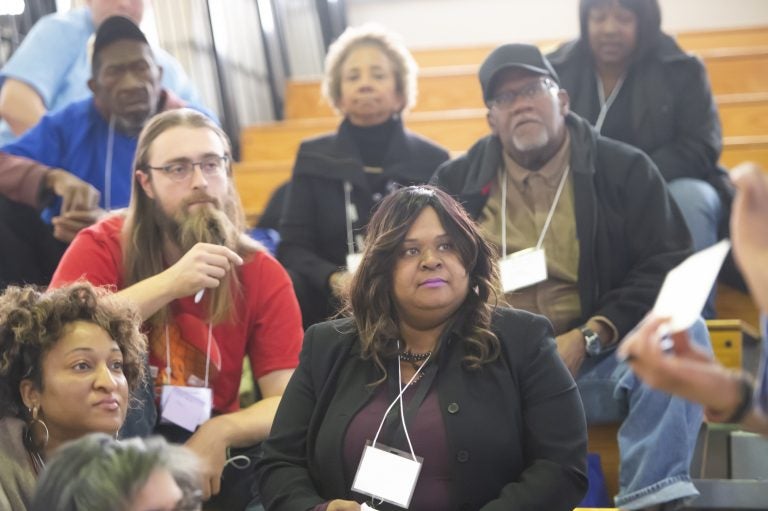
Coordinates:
744 117
690 41
269 160
731 71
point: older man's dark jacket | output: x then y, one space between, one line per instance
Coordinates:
630 231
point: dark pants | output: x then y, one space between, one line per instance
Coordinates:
29 253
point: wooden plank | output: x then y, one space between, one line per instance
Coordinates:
690 41
255 183
602 440
744 114
724 38
734 72
303 100
739 149
457 87
733 304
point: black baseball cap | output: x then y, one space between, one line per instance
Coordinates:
117 28
508 56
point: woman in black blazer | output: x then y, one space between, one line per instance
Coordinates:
491 408
370 79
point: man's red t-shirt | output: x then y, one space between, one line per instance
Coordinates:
267 326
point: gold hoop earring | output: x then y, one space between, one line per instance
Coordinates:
36 443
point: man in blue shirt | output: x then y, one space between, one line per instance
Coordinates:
52 66
75 164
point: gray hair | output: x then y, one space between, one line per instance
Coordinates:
99 472
371 34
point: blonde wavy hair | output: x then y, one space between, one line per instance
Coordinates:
371 34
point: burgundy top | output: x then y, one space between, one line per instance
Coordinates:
427 433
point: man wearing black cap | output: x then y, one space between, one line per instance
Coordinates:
586 232
76 163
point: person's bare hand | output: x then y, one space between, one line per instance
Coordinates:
656 366
204 266
75 193
572 350
343 505
67 225
748 228
209 444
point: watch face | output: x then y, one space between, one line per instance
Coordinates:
592 341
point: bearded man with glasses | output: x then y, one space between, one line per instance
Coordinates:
591 231
209 296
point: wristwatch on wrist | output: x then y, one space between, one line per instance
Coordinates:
591 341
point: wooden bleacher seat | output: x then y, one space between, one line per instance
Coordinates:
450 109
731 71
691 41
736 344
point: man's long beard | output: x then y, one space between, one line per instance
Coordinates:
207 223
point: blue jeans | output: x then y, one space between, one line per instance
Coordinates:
658 432
702 210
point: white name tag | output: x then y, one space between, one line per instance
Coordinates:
522 269
353 261
187 407
387 474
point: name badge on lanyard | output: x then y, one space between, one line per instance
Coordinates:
528 266
387 474
188 407
522 269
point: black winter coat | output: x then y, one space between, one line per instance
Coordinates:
631 232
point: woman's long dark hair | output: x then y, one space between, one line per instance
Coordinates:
371 298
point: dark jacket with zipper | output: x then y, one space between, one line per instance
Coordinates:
313 225
673 116
672 113
516 429
630 231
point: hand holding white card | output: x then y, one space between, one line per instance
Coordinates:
687 286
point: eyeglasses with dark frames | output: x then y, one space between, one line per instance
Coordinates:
211 166
505 100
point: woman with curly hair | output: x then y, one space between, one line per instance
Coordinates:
69 359
486 399
370 79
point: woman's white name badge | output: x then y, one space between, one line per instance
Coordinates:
353 261
187 407
522 269
387 474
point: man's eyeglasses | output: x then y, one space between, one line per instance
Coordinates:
505 100
210 166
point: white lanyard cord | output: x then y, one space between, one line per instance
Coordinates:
605 104
399 399
348 216
207 354
551 213
167 354
108 165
